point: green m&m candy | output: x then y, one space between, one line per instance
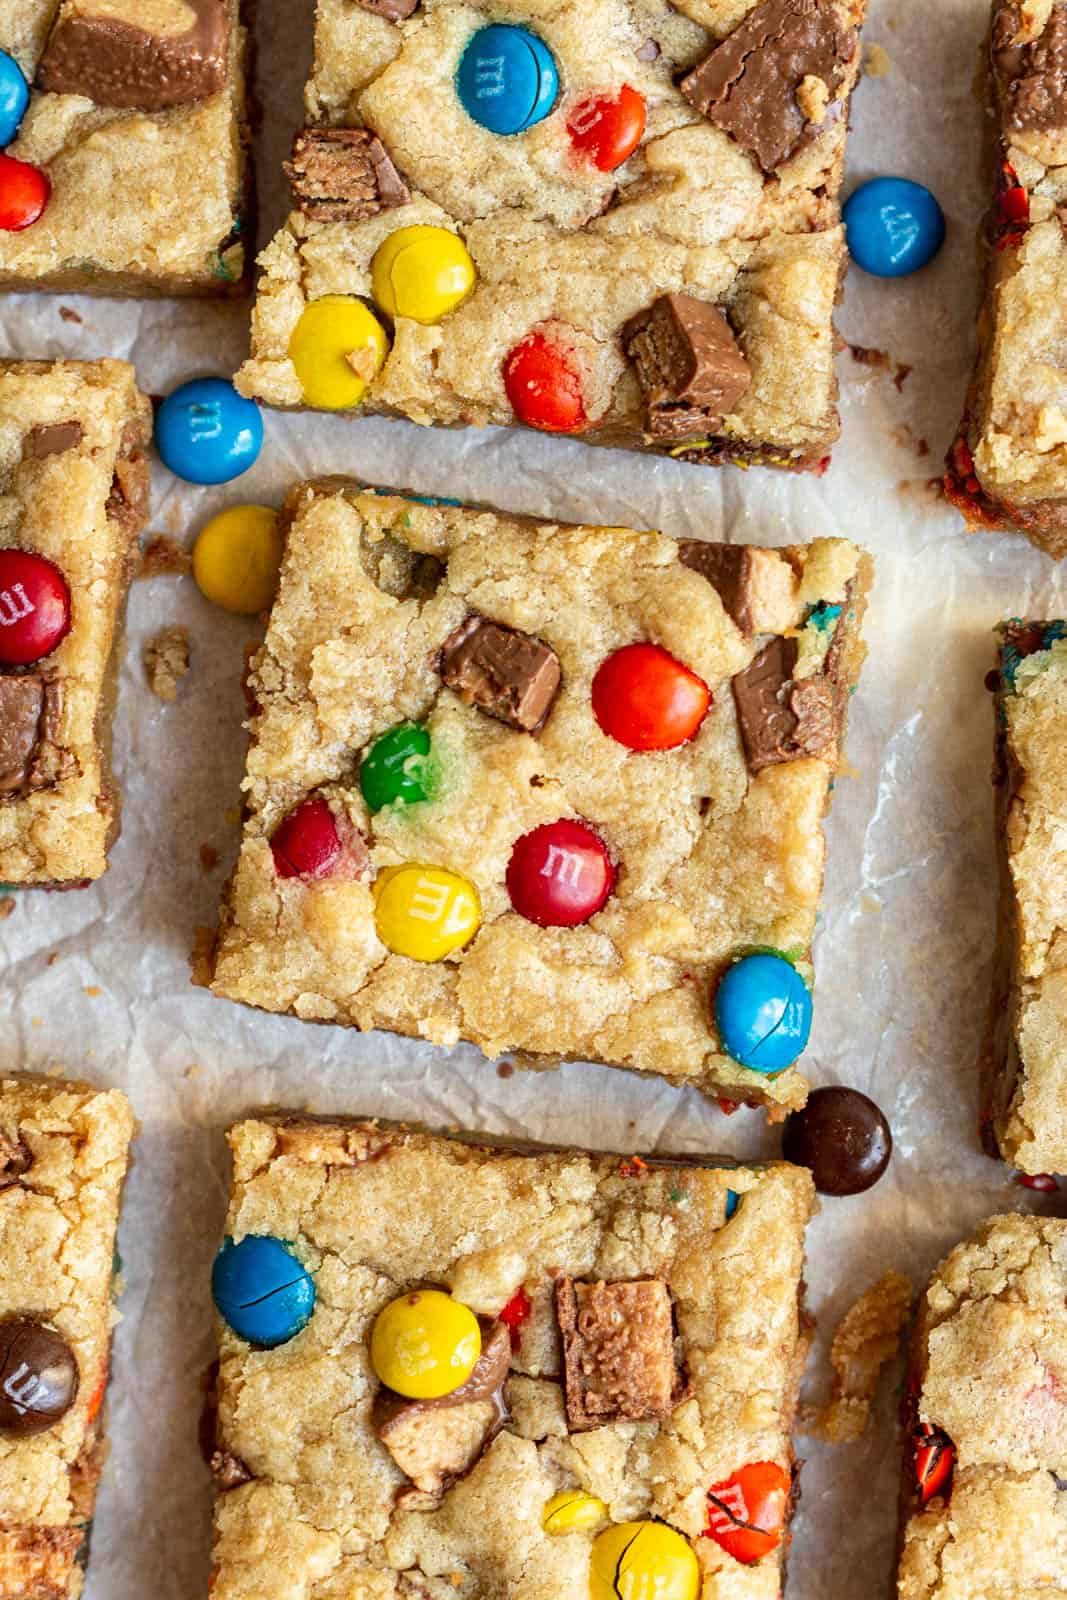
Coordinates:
396 767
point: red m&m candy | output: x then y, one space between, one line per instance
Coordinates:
543 386
747 1511
607 131
24 193
560 874
34 608
646 699
307 844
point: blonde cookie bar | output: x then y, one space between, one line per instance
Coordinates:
985 1479
689 1342
545 888
680 301
64 1149
1008 467
126 96
74 487
1024 1055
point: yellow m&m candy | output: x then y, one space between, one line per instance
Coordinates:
236 559
573 1511
425 912
337 347
422 273
425 1345
643 1561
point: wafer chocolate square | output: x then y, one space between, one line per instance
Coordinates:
506 673
783 719
688 363
343 175
138 54
619 1361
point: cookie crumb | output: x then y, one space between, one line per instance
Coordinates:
877 62
164 557
166 661
865 1340
7 907
202 958
69 314
209 857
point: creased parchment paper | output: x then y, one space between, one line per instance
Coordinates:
98 981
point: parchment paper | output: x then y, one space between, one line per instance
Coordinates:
97 982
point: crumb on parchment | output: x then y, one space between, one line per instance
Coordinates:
166 661
866 1339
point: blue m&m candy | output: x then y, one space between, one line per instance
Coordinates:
893 227
265 1294
14 97
733 1200
507 79
207 433
763 1012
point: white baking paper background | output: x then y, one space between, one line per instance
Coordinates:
97 982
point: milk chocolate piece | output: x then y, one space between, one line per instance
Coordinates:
507 674
343 175
22 702
139 55
688 363
38 1377
228 1471
391 10
16 1159
52 439
619 1360
748 85
728 568
1031 78
436 1441
783 720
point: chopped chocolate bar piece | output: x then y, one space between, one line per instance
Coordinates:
507 674
21 707
688 363
228 1471
391 10
748 86
343 175
728 568
16 1159
619 1362
782 720
138 54
52 439
436 1441
1031 77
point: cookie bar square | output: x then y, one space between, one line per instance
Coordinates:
64 1149
462 823
985 1466
74 487
616 219
133 147
1008 466
334 1469
1024 1055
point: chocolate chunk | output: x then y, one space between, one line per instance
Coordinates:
507 674
436 1441
343 175
52 439
728 568
619 1361
38 1376
748 85
1031 78
16 1157
842 1137
140 55
228 1471
21 710
392 10
688 363
782 720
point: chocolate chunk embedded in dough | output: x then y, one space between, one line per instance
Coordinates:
16 1159
508 674
30 713
688 363
52 439
728 568
343 175
38 1376
1031 77
138 54
619 1359
748 85
783 720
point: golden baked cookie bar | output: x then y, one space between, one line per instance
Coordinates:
1024 1056
74 486
64 1149
132 161
1008 467
985 1476
541 786
627 222
453 1370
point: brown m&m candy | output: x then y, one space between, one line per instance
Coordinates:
38 1376
842 1138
